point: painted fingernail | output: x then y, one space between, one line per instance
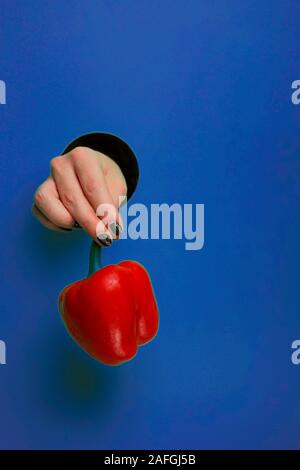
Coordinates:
104 239
116 228
76 225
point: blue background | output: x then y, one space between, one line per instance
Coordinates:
202 91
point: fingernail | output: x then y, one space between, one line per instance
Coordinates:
76 225
104 239
116 228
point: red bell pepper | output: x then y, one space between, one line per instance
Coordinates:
111 312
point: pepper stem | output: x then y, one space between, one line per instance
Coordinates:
95 258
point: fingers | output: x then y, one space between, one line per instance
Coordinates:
46 200
74 200
85 189
46 222
92 180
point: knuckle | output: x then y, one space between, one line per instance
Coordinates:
40 196
123 189
90 186
56 163
78 153
69 198
104 166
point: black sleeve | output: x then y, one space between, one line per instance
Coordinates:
115 148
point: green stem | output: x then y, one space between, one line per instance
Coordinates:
95 258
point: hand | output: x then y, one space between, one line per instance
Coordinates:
85 189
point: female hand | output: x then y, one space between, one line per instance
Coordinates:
85 189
